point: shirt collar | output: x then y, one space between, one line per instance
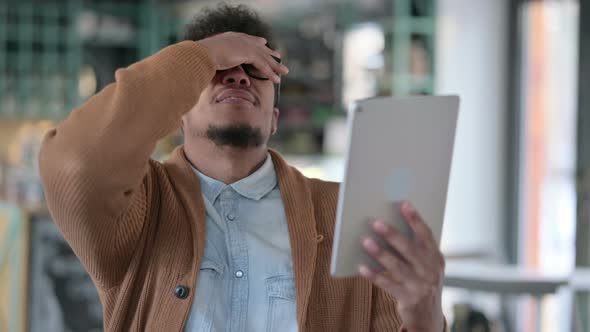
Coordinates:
254 186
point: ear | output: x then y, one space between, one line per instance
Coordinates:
275 119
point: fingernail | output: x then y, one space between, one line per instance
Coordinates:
363 270
370 245
408 206
380 226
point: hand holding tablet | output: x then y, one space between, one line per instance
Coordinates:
399 151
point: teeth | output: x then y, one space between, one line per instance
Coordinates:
235 98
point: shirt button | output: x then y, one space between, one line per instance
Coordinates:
239 273
181 292
231 216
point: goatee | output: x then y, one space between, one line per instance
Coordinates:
240 136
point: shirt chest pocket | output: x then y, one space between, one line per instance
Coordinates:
206 306
281 304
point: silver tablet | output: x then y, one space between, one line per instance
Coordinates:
398 149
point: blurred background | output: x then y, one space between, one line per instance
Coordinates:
517 224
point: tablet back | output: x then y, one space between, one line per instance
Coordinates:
399 149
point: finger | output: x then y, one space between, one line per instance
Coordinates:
258 39
389 261
272 52
417 224
277 67
380 280
262 64
404 246
283 69
428 263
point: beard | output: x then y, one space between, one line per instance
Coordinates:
241 136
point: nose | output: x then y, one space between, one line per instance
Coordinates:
235 75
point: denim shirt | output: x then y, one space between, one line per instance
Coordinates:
245 281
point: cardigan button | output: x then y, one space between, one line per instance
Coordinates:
181 292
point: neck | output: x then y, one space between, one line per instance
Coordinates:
225 164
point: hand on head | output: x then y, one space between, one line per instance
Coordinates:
252 51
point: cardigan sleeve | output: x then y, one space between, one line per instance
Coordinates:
94 165
385 317
384 314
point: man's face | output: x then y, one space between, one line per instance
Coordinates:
234 110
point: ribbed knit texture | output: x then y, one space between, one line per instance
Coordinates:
138 226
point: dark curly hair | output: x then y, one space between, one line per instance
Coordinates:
225 18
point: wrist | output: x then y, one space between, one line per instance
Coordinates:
435 323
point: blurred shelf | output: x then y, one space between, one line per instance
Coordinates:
502 279
118 9
108 43
416 25
323 100
306 81
414 83
288 128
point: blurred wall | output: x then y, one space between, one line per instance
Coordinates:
8 132
471 62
